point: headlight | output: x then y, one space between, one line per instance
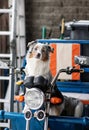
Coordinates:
34 98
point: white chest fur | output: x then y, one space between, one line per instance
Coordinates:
36 67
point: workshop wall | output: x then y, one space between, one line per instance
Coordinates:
48 13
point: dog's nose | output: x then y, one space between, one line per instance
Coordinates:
38 55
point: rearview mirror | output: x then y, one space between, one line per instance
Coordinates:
82 60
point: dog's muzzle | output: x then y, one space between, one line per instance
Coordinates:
38 55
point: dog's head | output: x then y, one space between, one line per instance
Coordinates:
39 51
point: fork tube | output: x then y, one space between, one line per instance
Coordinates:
46 123
47 116
47 112
27 125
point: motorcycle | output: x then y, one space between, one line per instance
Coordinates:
41 94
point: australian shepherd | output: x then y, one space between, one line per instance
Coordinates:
37 59
38 63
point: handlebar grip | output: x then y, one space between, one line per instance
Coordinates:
18 84
81 70
70 70
78 70
17 89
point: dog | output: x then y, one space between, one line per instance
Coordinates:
72 107
37 59
38 63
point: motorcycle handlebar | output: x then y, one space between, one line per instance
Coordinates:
19 70
68 70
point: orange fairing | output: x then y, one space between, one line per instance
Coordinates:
55 100
85 102
19 98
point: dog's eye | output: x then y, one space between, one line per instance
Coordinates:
35 49
43 50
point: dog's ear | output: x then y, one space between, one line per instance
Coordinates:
31 46
31 43
50 49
